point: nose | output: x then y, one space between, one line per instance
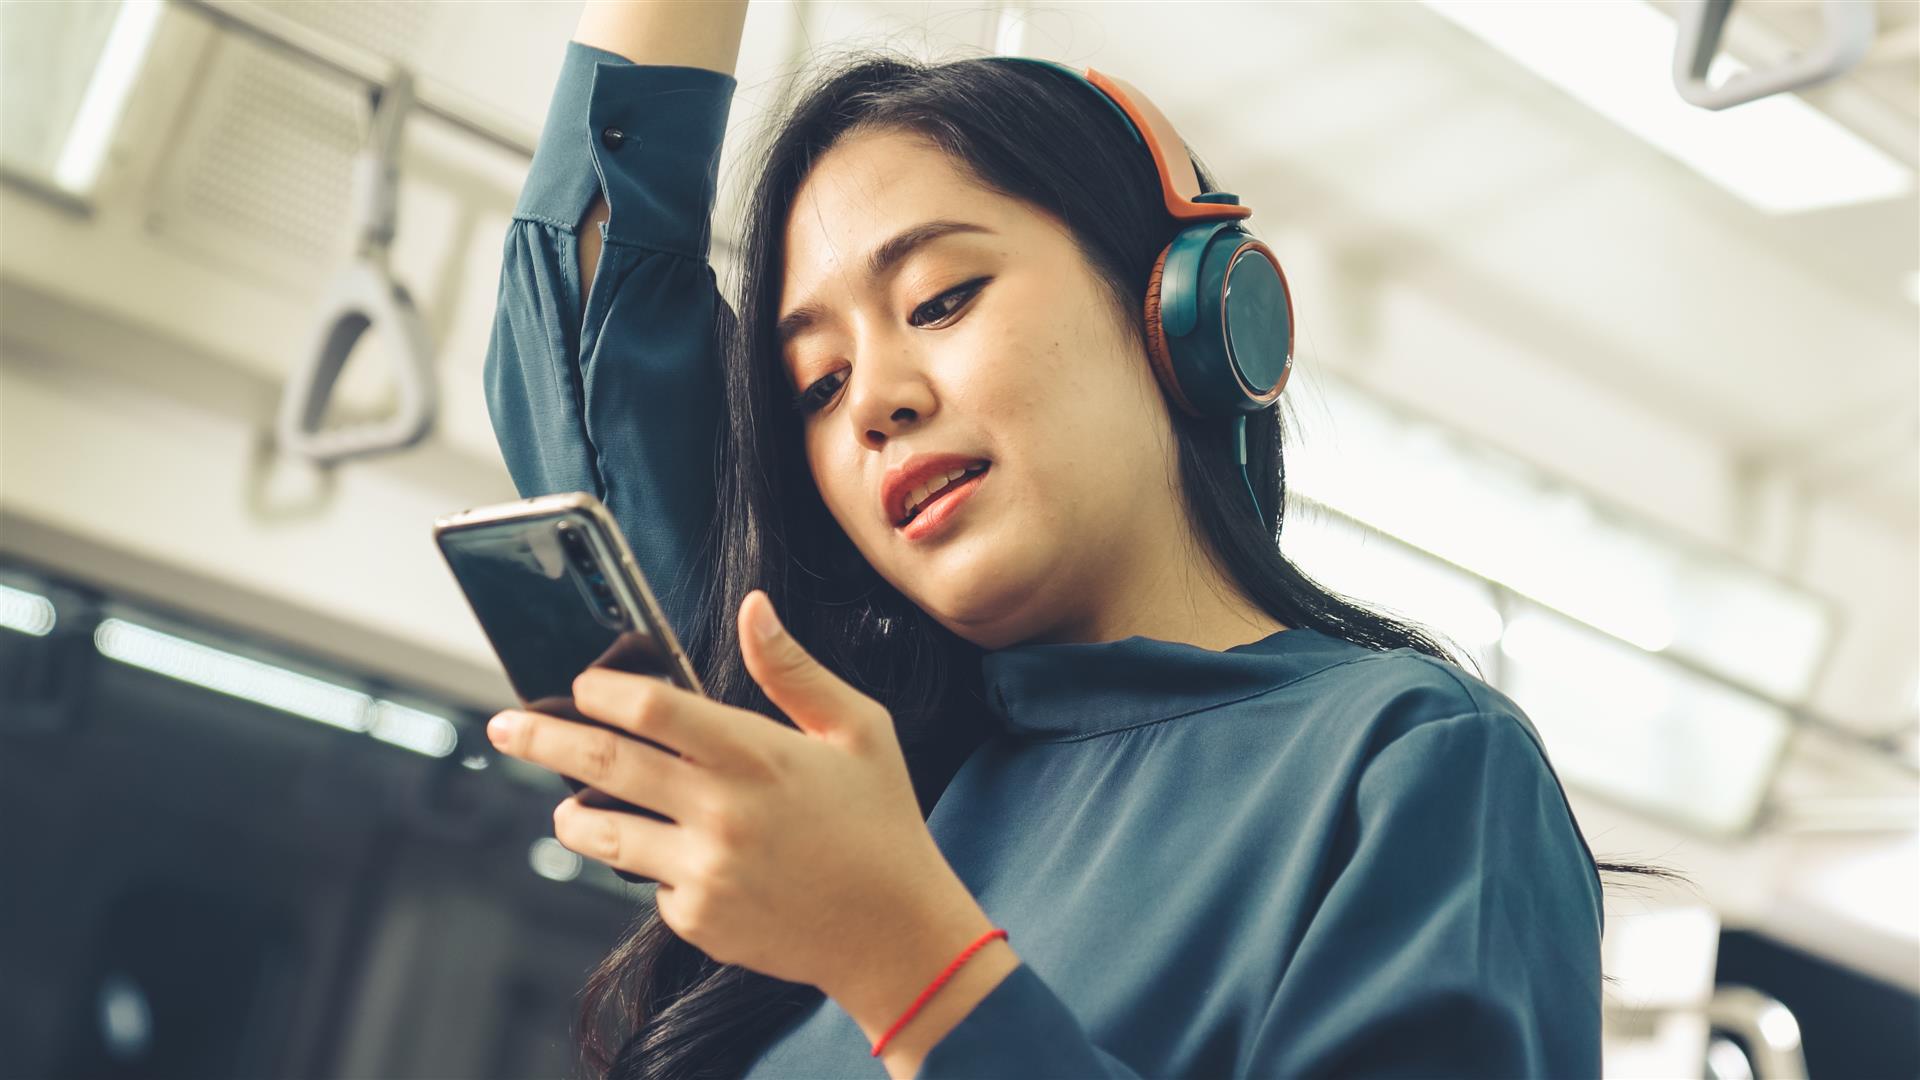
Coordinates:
888 393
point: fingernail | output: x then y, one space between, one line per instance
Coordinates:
764 623
502 727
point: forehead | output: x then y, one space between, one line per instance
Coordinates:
868 187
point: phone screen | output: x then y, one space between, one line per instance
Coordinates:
551 600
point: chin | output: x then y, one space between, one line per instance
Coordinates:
989 611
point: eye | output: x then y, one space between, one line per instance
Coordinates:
816 396
937 304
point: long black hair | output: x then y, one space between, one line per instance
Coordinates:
656 1007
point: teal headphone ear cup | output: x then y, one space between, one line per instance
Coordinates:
1220 321
1220 330
1257 319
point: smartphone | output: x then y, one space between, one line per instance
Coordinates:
557 591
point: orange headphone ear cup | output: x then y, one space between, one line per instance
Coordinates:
1157 351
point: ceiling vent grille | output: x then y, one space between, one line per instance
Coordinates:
259 177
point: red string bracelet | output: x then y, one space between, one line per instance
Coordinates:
935 985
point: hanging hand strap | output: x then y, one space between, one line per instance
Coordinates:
363 296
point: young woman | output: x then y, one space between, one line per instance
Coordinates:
1230 822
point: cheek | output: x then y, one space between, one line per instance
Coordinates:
1080 410
1058 376
838 479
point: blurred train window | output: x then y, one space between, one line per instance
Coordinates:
1660 674
1499 519
65 74
239 859
1651 735
1619 721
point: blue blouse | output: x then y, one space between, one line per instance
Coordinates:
1294 857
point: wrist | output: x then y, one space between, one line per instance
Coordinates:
686 33
957 998
903 959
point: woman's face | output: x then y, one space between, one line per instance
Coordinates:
996 342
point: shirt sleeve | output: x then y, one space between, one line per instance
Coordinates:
1462 935
618 393
1459 936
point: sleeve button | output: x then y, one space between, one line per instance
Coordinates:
612 137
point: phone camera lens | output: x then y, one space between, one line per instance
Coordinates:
612 610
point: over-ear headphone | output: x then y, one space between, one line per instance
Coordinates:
1219 313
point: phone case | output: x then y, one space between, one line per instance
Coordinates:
511 563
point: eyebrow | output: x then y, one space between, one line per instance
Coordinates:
881 262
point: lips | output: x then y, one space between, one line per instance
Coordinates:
936 518
913 474
950 483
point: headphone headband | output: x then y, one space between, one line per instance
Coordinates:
1179 183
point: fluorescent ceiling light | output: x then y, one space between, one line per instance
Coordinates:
29 613
273 686
421 732
230 673
1779 154
106 97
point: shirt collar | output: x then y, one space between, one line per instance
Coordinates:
1073 690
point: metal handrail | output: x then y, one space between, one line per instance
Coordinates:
1850 31
1767 1027
365 294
